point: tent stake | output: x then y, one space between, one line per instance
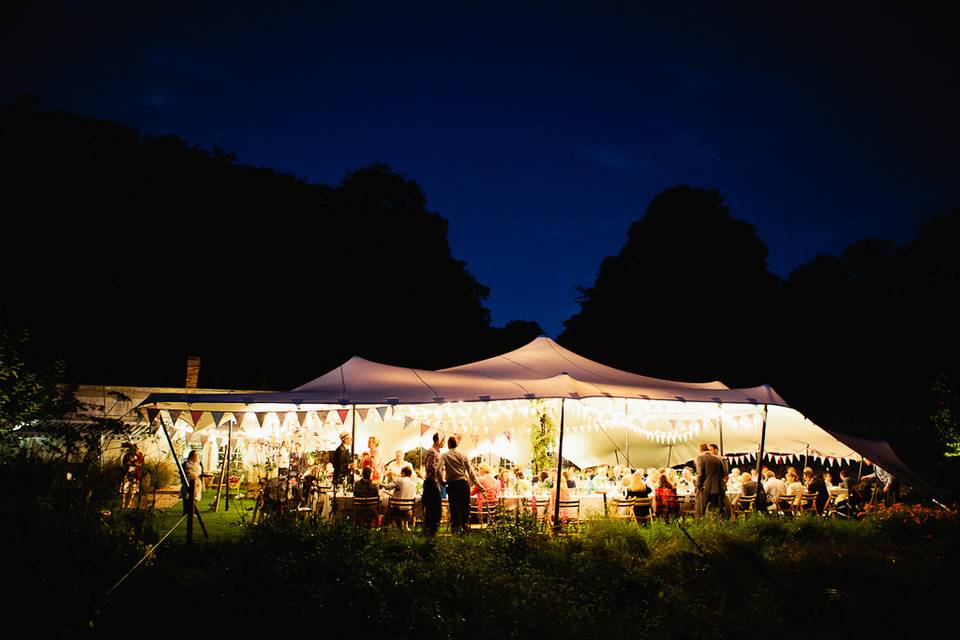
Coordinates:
556 502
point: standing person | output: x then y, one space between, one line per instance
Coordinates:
431 489
371 458
342 464
459 478
193 470
710 482
132 464
815 485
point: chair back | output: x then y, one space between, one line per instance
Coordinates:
808 502
401 504
745 504
641 503
365 509
621 509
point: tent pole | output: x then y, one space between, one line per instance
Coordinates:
720 422
556 502
183 474
763 441
860 471
805 452
669 454
353 432
229 448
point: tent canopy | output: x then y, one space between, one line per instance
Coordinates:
610 415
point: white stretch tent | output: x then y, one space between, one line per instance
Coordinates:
610 416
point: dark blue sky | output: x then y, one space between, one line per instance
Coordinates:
539 130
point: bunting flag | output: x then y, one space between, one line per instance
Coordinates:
152 414
261 417
363 414
492 438
383 412
343 415
281 416
508 435
424 428
406 421
476 440
174 415
322 416
217 416
143 415
238 417
302 418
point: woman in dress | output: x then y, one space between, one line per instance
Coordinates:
371 458
667 504
639 489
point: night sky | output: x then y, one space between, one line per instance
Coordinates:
540 131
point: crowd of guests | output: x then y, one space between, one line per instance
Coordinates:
710 483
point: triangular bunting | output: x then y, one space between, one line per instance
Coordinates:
343 415
424 428
383 412
508 435
302 418
492 437
363 414
261 417
476 440
406 422
217 416
238 417
196 416
152 415
281 416
322 416
174 415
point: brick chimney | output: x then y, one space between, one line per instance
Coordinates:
193 371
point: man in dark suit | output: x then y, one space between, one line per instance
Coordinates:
710 486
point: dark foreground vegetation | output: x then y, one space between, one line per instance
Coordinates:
788 577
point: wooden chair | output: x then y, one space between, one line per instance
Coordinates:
536 507
622 509
400 510
786 505
688 504
829 507
807 503
445 512
569 515
641 503
366 511
744 505
483 514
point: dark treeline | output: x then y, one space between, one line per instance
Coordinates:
856 341
124 253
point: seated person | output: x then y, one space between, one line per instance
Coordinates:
488 489
774 488
365 487
815 485
395 465
748 486
404 489
828 480
564 495
522 485
667 504
639 489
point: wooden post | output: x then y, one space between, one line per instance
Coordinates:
183 475
190 507
229 443
763 441
556 503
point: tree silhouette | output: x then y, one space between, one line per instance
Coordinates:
687 297
133 251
